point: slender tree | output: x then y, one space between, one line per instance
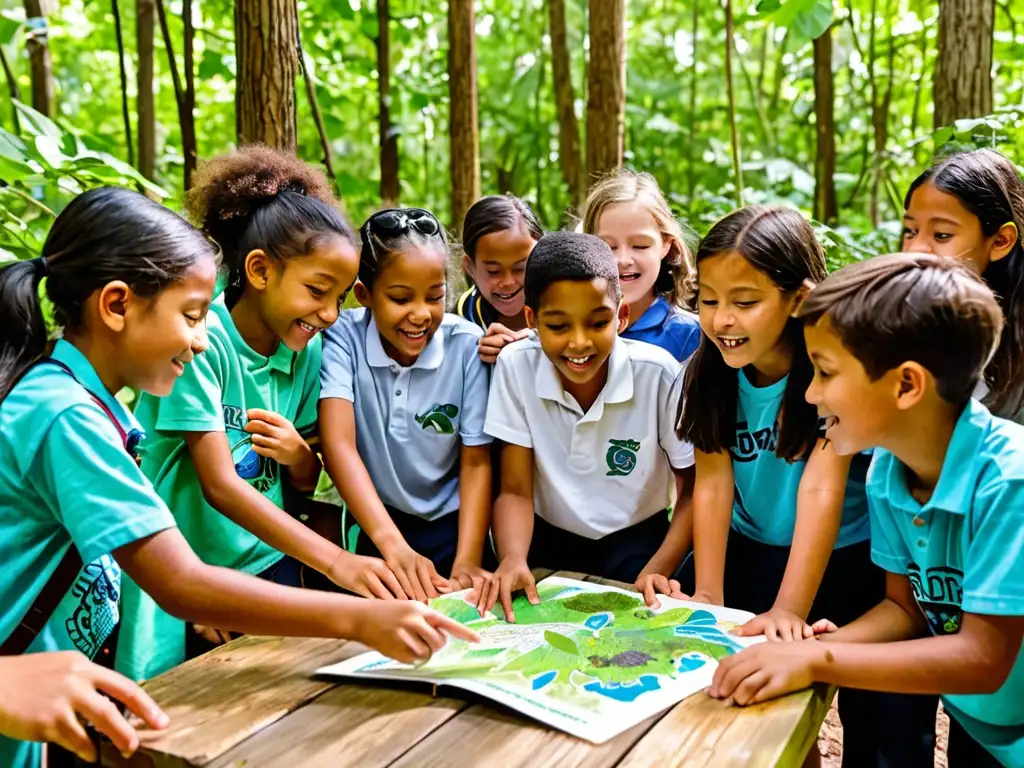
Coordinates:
606 86
963 70
125 109
389 178
145 19
39 57
464 147
730 90
565 102
266 46
186 116
825 207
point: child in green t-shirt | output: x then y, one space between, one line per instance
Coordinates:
237 427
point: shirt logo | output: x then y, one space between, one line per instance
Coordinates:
621 457
939 593
438 417
750 444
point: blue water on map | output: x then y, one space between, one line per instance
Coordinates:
690 662
625 691
541 680
701 624
598 620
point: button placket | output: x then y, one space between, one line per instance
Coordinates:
400 402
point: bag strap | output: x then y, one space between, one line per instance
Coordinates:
64 575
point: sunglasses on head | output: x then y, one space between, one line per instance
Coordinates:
395 221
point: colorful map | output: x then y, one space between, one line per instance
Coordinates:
591 660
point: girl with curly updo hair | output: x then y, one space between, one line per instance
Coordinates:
234 437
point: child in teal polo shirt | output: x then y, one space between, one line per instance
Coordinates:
235 431
131 282
899 344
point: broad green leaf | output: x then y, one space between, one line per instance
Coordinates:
49 149
561 642
36 123
9 27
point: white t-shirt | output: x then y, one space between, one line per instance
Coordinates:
597 472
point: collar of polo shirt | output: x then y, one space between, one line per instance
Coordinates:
960 469
618 388
654 316
430 358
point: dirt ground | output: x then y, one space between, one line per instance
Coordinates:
830 740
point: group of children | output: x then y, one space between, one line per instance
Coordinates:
603 402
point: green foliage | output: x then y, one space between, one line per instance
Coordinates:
561 642
42 170
676 120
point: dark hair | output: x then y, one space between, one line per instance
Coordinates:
388 231
497 213
675 274
901 307
569 256
266 199
988 185
103 235
779 243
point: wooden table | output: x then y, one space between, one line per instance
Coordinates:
253 704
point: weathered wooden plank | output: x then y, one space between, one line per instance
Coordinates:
500 737
368 726
702 731
224 697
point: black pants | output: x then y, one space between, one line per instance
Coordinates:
879 729
619 556
964 752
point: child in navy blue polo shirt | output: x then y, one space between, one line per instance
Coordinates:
628 211
898 345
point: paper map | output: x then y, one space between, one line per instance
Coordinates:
591 660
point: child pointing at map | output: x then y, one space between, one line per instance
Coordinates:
587 421
898 345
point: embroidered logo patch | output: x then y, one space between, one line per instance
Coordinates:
621 457
438 418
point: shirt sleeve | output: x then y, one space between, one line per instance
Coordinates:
888 550
476 383
679 451
337 371
687 332
305 417
196 402
103 499
994 570
506 417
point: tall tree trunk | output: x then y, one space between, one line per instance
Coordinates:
12 87
188 127
464 139
39 58
145 14
565 100
730 90
125 109
318 116
266 46
606 86
963 70
186 117
825 207
389 186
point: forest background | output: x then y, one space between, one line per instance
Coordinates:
832 107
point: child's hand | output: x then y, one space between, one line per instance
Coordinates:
512 574
654 584
778 625
765 671
408 631
703 596
366 576
276 438
212 635
47 696
495 338
823 627
415 573
469 576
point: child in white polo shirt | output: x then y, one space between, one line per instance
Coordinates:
590 452
402 405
